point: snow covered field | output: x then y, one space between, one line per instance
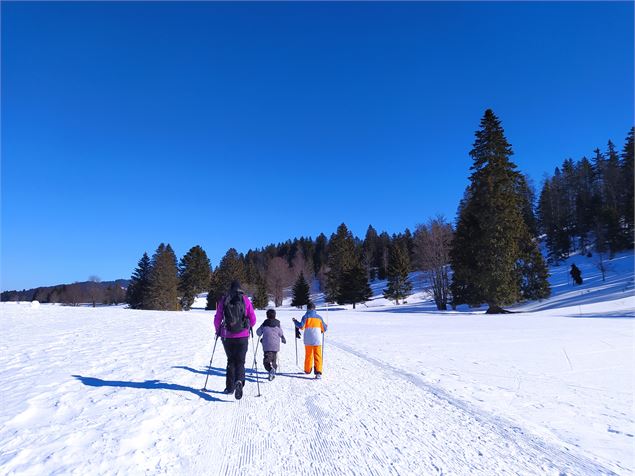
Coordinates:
407 390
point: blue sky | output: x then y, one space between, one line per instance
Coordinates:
129 124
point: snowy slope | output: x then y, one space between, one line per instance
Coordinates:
407 390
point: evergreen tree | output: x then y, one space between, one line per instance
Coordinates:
383 253
491 235
354 287
195 276
527 193
341 257
611 213
320 253
137 294
261 297
627 210
533 273
301 292
399 286
584 203
369 252
230 268
163 294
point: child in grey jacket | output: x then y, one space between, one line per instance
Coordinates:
272 334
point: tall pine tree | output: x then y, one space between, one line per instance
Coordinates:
261 297
301 292
195 276
137 294
341 257
164 280
626 196
491 235
230 268
399 286
354 287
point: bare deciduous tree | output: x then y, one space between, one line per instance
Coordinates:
432 255
279 276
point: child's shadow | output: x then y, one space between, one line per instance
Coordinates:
148 385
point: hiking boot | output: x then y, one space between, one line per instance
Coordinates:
272 375
228 390
318 376
238 393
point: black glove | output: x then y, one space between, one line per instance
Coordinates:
297 333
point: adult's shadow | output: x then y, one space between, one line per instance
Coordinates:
148 385
220 372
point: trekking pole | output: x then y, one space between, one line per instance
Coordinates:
255 366
324 333
295 338
204 389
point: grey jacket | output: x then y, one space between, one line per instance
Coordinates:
272 334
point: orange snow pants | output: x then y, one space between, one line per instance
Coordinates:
311 353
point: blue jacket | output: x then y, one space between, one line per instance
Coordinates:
313 326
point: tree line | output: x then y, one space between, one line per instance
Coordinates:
588 204
92 292
491 256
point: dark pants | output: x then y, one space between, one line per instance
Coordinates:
270 360
236 350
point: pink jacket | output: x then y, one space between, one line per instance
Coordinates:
218 318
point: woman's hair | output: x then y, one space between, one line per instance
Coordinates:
310 306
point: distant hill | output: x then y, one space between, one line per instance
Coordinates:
103 292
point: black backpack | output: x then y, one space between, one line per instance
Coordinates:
234 317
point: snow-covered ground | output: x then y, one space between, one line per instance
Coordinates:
407 390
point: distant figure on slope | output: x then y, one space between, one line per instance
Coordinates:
272 334
576 274
314 327
234 318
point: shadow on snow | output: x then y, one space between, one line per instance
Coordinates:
220 372
148 385
605 315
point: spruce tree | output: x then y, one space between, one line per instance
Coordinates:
194 276
301 292
341 257
261 297
354 287
399 286
137 294
230 268
383 253
627 210
163 287
369 251
491 236
320 256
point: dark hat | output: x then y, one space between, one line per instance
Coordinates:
235 286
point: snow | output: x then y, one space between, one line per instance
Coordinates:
406 389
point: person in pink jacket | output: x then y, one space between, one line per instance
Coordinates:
235 316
